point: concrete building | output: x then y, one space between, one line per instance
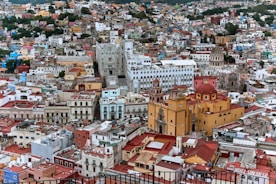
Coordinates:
69 157
217 57
231 82
55 70
78 61
56 109
111 104
113 136
141 71
136 105
82 106
26 132
107 56
56 113
95 161
48 145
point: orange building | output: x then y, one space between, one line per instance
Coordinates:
180 115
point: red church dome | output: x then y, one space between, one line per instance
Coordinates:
206 89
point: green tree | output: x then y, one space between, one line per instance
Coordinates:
51 9
84 35
11 64
3 53
85 10
229 59
215 11
231 28
31 11
212 39
267 33
37 29
205 39
269 20
26 62
244 89
262 64
61 74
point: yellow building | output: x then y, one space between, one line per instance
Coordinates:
95 85
180 115
43 13
223 40
76 29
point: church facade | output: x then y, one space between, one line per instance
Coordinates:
178 114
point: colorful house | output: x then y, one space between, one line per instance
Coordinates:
14 174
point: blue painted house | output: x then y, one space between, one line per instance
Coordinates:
13 56
112 106
11 174
23 77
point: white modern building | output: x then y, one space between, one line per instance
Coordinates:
141 72
48 145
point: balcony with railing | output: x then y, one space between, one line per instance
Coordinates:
164 177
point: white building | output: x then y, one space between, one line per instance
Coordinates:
136 105
26 132
46 70
50 144
201 57
141 72
96 161
261 74
101 27
82 106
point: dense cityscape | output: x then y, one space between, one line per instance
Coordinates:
95 92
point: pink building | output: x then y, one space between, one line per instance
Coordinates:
198 80
42 171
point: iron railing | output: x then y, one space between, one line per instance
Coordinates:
157 177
